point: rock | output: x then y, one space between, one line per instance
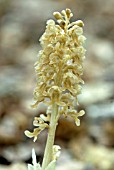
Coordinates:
15 166
71 165
12 128
96 92
98 156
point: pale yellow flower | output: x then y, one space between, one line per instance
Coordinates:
59 68
33 134
56 152
40 122
75 115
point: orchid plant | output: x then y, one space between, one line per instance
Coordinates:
59 69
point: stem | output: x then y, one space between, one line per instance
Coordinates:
51 136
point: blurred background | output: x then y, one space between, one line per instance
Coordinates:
88 147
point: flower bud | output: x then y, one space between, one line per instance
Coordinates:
57 15
68 12
80 23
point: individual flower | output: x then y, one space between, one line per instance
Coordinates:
40 123
73 113
33 134
81 39
56 152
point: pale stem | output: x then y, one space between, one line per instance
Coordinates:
51 136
